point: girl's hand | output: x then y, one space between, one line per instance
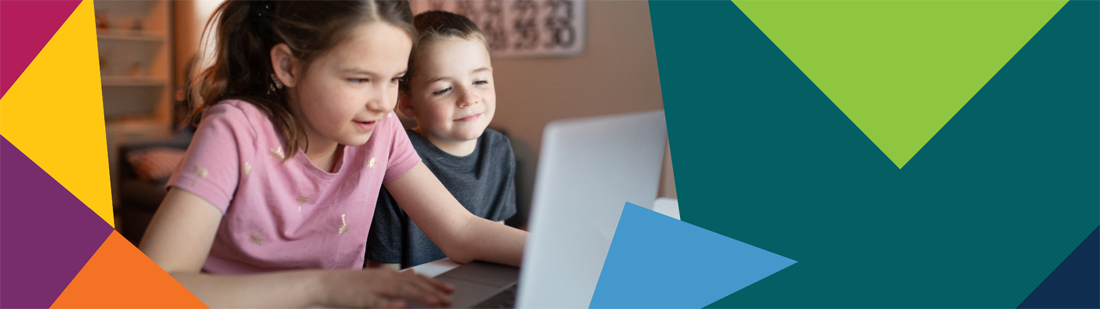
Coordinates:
382 288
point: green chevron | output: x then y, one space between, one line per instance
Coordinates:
900 69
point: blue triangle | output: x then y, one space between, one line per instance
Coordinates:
645 267
1075 283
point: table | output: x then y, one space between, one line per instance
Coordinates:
435 268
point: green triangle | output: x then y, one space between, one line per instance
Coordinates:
900 69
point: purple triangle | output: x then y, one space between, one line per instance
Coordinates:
46 233
25 28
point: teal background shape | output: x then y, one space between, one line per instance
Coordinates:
645 264
978 218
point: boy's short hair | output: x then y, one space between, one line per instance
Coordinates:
436 25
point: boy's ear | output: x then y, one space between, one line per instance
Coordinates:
287 68
404 106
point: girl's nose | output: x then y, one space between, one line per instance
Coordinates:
381 99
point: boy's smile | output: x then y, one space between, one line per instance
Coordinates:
470 118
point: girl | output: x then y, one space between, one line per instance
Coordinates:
272 205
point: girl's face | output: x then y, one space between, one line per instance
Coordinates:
346 91
452 92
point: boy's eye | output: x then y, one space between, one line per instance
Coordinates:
397 80
481 82
441 92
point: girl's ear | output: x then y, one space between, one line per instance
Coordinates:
287 68
404 106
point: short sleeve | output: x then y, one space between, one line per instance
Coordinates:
403 156
211 166
387 231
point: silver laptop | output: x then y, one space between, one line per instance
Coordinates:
588 169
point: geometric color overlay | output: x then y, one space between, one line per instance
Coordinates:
899 69
25 27
986 211
659 262
47 234
54 112
120 276
1075 283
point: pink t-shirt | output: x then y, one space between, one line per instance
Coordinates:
282 215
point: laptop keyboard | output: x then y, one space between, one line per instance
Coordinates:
504 299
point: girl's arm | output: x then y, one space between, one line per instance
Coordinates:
377 264
179 238
461 235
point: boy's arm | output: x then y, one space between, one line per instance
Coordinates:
386 240
461 235
506 155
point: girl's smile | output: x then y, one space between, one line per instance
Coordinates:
366 126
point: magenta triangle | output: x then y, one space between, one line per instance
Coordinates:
25 28
46 233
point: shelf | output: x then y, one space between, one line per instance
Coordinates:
128 35
134 40
122 81
125 8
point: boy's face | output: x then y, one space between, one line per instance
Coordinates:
452 92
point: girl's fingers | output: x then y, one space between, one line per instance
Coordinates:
436 292
432 294
400 303
402 289
443 285
422 289
438 284
383 302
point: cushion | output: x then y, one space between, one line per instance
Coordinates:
155 164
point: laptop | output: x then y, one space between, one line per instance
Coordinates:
588 169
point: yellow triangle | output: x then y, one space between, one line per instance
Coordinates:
54 113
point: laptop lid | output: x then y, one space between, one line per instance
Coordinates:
588 169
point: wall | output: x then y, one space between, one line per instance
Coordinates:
190 18
616 73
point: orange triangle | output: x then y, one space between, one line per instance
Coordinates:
120 276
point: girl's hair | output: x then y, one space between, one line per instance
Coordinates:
434 26
245 33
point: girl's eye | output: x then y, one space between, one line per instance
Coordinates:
359 80
441 92
396 80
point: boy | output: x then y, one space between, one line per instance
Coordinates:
449 91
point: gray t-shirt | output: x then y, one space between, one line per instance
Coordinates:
482 181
